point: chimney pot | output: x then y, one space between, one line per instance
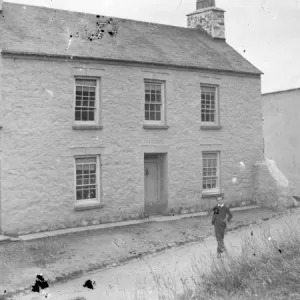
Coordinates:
205 3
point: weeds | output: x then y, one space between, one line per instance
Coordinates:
266 263
265 267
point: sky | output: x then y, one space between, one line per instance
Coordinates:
265 32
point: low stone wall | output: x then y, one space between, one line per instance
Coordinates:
271 187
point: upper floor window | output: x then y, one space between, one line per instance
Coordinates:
209 105
154 102
87 102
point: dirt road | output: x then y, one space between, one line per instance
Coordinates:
136 278
63 257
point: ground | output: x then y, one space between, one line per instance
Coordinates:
62 258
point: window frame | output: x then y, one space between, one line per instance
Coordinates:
88 124
89 202
162 122
218 186
216 123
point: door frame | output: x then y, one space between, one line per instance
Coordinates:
0 193
157 161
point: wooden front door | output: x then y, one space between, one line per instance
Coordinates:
151 186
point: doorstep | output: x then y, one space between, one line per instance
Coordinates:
40 235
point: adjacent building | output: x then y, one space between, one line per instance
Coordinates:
281 126
106 119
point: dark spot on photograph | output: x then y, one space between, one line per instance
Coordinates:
89 284
40 284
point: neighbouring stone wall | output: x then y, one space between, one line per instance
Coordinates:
37 167
270 186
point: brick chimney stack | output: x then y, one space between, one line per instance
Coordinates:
208 17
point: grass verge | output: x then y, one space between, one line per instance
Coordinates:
264 267
267 267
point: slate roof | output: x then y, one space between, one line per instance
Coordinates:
44 30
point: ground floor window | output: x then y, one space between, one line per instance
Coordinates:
87 178
210 171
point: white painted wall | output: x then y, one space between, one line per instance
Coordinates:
281 127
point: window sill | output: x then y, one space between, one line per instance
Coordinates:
88 206
211 127
150 126
86 127
212 195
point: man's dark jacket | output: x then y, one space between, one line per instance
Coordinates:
220 211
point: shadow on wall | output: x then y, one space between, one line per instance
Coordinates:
297 198
271 187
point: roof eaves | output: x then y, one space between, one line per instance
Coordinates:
281 91
120 61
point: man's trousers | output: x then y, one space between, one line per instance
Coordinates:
220 227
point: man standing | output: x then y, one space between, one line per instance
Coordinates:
220 211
